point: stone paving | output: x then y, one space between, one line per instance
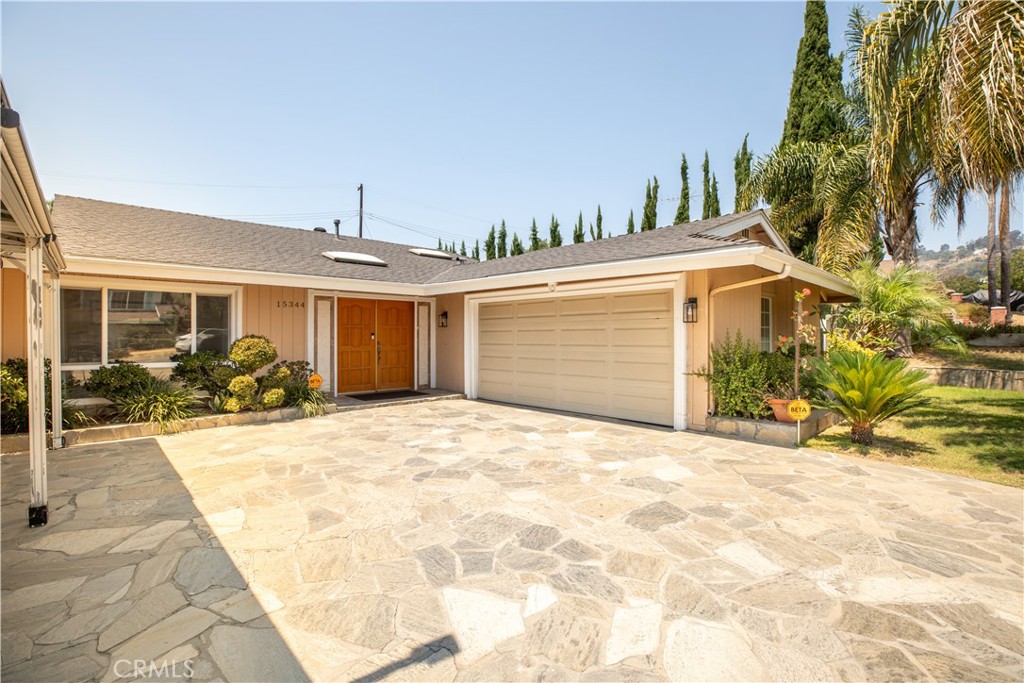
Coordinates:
467 541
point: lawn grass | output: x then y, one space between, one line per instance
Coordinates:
995 359
977 433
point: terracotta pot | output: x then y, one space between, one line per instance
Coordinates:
779 406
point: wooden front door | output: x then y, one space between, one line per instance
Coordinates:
375 345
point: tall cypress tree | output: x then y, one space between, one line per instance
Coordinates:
489 245
741 164
517 246
630 227
654 204
462 251
645 214
440 247
535 242
600 221
502 240
577 232
476 250
715 207
554 234
817 78
705 212
683 212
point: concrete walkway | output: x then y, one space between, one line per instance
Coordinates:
457 540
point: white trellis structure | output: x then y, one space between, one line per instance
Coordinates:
28 242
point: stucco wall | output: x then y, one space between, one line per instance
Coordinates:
278 313
451 358
14 342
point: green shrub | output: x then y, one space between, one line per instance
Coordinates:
158 402
840 342
969 332
252 352
276 378
738 378
867 389
231 405
272 398
14 411
13 402
243 389
119 380
313 402
204 370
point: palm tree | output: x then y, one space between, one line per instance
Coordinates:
969 65
867 388
892 307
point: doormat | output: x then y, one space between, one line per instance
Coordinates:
385 395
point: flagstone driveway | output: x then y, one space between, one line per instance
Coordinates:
459 540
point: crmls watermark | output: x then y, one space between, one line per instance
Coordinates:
140 668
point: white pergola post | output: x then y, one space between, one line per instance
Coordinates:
37 511
56 395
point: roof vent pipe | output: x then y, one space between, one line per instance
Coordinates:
337 228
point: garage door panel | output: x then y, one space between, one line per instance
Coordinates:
601 354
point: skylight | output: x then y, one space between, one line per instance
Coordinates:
353 257
433 253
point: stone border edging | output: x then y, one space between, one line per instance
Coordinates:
975 378
769 431
18 443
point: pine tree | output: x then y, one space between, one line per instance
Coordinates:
517 246
502 245
683 212
476 250
705 212
742 163
555 236
490 245
535 242
600 220
462 251
630 227
440 247
577 233
593 235
817 79
715 208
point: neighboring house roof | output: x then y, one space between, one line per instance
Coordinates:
90 228
981 297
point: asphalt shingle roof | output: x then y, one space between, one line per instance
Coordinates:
93 228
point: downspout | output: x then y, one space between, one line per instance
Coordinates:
782 275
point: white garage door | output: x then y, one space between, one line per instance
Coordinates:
607 354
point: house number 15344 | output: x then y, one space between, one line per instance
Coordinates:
291 304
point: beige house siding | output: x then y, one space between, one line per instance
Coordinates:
14 342
278 313
451 357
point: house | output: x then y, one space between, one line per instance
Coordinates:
611 328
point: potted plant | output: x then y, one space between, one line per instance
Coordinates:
783 392
778 399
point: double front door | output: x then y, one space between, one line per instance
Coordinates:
375 345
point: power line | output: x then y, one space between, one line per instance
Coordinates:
194 184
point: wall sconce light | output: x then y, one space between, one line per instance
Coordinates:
442 320
690 310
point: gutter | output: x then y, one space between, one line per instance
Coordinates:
781 275
21 158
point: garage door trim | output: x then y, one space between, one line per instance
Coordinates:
675 283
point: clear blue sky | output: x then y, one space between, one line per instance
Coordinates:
454 116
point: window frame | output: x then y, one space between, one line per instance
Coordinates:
193 289
771 323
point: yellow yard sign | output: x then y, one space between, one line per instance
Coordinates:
799 409
315 381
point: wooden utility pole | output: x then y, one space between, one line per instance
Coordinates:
360 210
